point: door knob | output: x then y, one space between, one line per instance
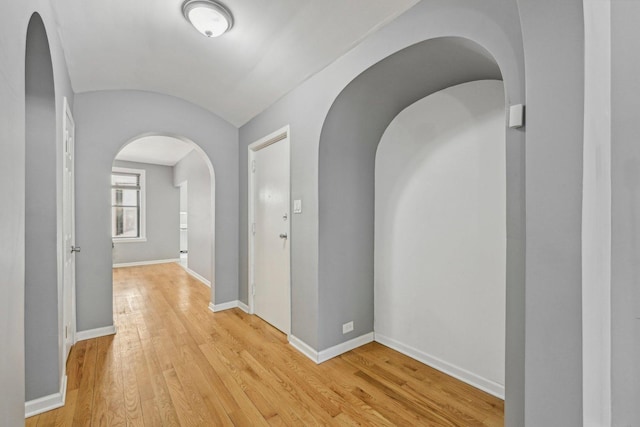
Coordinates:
283 235
75 249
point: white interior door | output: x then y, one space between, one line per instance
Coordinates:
184 236
68 232
271 253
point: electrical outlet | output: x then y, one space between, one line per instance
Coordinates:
347 327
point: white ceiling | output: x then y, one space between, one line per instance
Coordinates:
273 46
158 150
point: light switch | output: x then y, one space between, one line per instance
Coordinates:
297 206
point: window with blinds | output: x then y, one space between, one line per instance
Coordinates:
126 203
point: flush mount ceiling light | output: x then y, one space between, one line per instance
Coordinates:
210 18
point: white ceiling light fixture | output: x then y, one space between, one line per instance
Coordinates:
209 17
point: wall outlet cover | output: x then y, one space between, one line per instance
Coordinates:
347 327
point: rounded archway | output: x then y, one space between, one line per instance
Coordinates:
159 167
440 233
349 139
42 322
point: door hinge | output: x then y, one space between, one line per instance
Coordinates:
66 332
253 166
253 228
253 289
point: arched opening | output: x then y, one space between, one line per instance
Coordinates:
150 205
348 144
440 233
43 370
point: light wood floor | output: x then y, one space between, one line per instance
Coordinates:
173 362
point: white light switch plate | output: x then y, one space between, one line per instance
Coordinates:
297 206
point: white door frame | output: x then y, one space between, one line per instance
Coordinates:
68 128
272 138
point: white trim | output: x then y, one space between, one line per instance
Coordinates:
138 263
279 135
303 348
143 205
242 306
596 216
196 275
95 333
228 305
344 347
129 239
47 403
331 352
463 375
68 129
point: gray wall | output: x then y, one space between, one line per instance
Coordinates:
108 120
348 144
15 18
193 169
41 308
162 217
551 57
493 24
553 37
553 61
625 213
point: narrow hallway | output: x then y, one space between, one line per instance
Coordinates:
173 362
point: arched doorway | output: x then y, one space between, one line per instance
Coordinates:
348 144
440 233
148 172
44 366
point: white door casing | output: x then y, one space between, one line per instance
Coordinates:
68 232
269 230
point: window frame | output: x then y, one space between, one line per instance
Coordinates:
143 211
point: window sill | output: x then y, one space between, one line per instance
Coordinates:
130 240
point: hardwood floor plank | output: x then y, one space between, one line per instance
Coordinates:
84 405
166 409
151 413
108 396
65 415
184 409
132 400
175 363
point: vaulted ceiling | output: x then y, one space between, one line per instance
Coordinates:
273 46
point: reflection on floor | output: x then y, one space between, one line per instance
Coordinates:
183 259
173 362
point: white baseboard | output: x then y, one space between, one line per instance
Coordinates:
344 347
470 378
95 333
242 306
46 403
303 348
196 275
331 352
228 305
138 263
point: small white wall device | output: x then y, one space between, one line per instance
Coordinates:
516 116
